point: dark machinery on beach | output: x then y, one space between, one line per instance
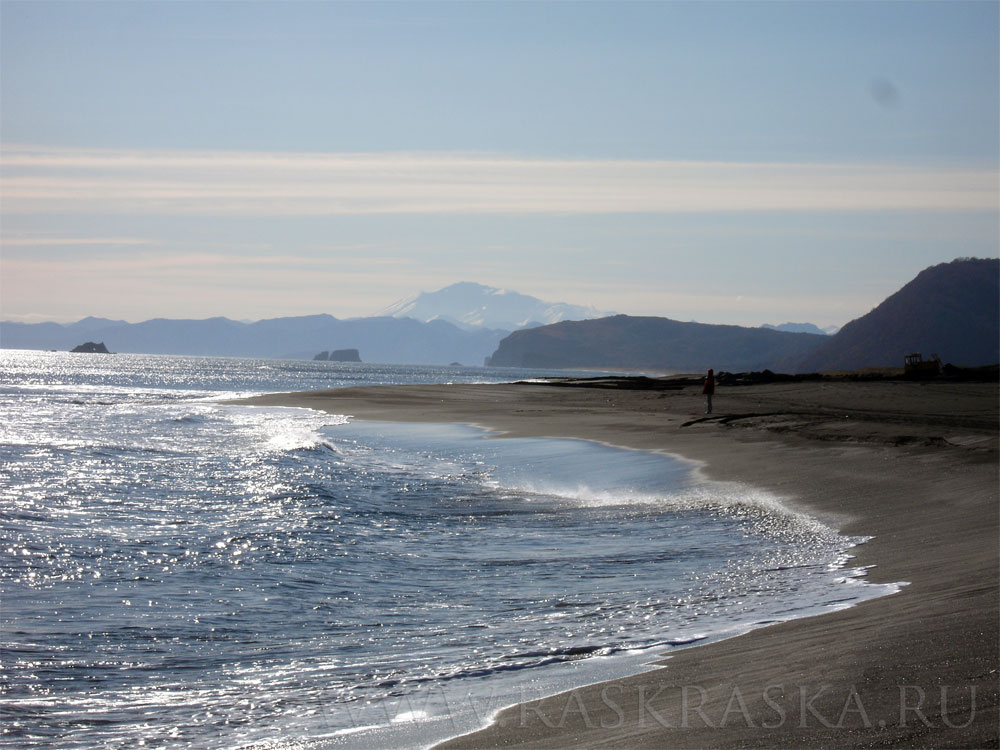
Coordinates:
916 366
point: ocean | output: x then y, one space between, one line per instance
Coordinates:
175 571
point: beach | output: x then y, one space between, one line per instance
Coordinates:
912 465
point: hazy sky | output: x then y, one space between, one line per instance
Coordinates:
724 162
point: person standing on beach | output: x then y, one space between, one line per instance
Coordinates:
709 390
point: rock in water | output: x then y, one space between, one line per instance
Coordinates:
90 348
345 355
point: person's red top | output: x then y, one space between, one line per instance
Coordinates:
709 387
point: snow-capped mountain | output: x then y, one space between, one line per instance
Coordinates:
470 306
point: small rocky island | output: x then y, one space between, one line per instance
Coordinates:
90 348
339 355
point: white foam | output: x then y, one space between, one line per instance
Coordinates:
705 495
284 429
410 716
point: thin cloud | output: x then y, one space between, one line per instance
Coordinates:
60 241
202 267
61 180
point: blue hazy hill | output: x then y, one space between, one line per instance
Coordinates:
802 328
384 339
463 322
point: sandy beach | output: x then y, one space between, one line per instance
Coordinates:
913 465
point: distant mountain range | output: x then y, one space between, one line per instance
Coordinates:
949 309
803 328
474 306
400 340
461 323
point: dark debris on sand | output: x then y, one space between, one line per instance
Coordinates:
949 373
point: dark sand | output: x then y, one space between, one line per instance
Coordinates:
913 465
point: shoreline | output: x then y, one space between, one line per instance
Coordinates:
911 464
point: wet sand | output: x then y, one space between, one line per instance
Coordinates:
913 465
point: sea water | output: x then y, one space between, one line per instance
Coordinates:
176 571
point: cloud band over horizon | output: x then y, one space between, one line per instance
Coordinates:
40 180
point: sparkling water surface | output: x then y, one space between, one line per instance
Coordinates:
175 571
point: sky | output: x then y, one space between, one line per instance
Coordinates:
745 162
